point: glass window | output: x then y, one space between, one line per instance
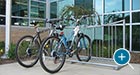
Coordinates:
136 38
116 17
98 6
88 4
19 22
136 4
53 10
127 37
116 5
2 7
42 0
20 8
136 17
38 9
41 23
115 33
2 20
61 4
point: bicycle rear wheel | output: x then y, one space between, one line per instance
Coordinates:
27 51
52 55
83 52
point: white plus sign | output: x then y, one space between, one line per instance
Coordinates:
121 57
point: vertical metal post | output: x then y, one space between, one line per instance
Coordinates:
123 33
112 41
130 44
109 41
7 28
115 37
47 11
102 22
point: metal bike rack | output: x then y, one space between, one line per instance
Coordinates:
98 54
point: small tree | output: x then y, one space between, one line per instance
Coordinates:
77 12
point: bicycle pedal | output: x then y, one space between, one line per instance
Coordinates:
53 53
73 51
71 55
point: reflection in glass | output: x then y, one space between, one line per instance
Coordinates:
2 20
41 23
136 4
114 36
38 9
116 17
19 22
136 38
63 3
20 8
88 4
98 6
136 17
116 5
2 7
53 10
42 0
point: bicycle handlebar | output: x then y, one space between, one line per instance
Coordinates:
55 20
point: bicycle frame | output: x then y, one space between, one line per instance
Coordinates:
37 35
74 35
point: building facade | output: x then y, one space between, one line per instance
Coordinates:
24 11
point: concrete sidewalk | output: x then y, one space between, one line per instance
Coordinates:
68 69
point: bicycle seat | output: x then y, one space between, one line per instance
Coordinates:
60 27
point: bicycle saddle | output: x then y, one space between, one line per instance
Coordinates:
60 27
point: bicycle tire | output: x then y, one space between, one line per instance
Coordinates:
47 58
81 56
31 54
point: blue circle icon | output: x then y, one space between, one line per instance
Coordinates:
121 56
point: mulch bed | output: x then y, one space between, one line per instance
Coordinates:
135 57
6 61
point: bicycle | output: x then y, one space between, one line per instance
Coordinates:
27 48
52 57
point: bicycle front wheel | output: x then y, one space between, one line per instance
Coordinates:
27 51
83 52
52 54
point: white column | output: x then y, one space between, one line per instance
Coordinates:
47 11
7 28
29 12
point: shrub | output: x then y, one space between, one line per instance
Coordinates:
11 53
2 46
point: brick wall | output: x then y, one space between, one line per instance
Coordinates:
18 32
2 32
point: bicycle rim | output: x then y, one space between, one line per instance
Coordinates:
52 57
27 51
83 48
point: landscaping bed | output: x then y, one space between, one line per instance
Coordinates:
6 61
135 57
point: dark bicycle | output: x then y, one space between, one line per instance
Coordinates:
27 48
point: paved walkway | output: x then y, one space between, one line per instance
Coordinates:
68 69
